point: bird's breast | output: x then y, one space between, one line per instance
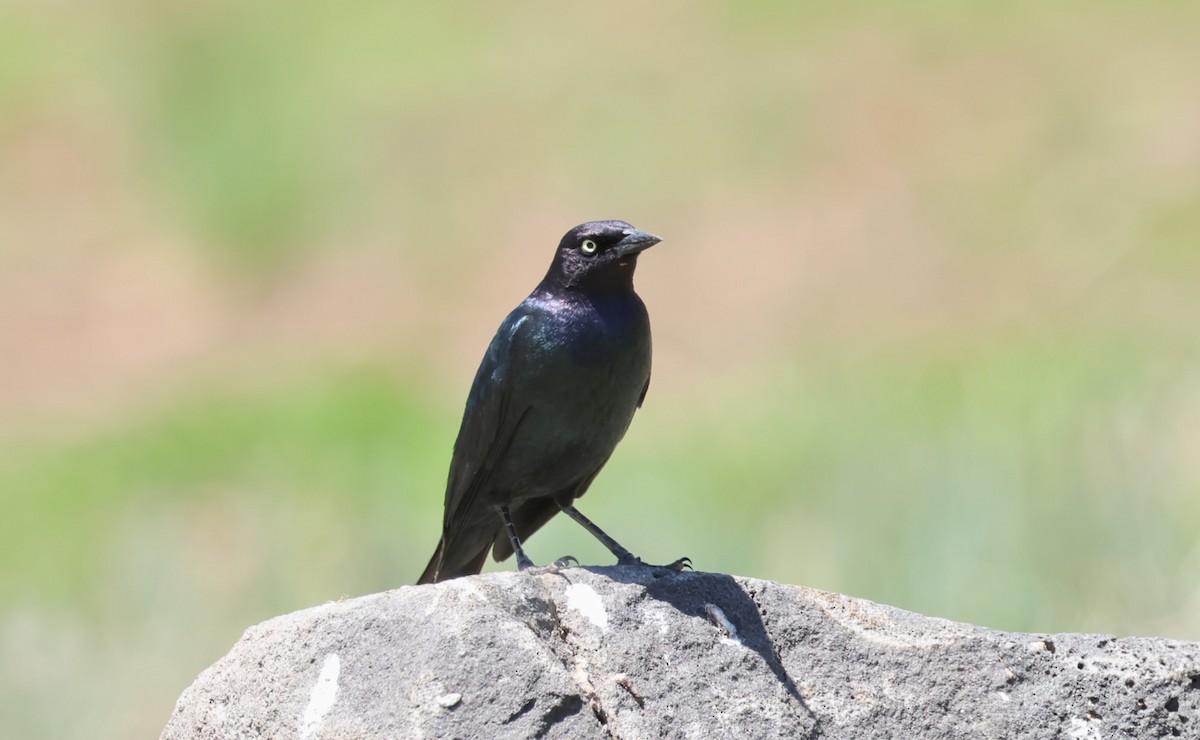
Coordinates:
595 344
585 374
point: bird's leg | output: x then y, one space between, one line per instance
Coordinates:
624 557
524 564
523 561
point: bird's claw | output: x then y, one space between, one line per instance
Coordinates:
684 563
566 561
680 565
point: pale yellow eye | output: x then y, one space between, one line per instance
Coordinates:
588 246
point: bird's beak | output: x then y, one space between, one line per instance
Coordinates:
635 241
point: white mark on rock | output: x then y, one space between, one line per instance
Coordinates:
717 616
324 694
1081 729
1038 646
584 599
1004 697
878 624
449 700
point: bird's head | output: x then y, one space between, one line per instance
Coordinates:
599 256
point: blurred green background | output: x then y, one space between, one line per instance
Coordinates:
927 311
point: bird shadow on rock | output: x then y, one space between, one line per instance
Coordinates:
719 599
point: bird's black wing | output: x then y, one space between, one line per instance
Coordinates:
492 416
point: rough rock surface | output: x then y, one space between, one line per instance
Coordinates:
639 653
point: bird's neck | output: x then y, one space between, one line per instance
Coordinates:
617 280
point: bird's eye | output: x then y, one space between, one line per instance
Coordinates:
588 246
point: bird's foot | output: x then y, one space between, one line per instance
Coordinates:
678 566
566 561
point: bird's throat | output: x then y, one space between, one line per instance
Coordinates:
613 278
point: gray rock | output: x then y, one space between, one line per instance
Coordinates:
638 653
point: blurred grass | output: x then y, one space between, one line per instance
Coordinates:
250 114
926 319
354 436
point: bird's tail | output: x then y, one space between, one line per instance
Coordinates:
451 562
431 571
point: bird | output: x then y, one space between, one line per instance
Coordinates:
556 391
